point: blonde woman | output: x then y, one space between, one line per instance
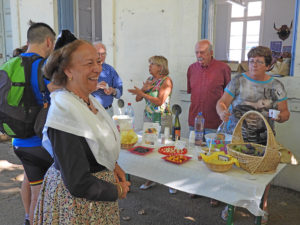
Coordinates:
157 93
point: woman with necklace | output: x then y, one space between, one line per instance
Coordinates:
157 93
254 90
85 181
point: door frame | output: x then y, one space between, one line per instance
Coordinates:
2 40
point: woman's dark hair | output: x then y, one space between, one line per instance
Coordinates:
261 51
65 37
59 60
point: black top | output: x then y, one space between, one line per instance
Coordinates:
76 162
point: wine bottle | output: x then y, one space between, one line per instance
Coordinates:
176 129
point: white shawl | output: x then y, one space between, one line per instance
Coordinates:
70 114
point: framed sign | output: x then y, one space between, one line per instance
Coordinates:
275 46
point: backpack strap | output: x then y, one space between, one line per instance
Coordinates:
28 96
41 82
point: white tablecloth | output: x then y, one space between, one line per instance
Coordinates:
235 187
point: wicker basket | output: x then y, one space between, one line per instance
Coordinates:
219 167
255 164
127 146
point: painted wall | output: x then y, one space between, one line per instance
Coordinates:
280 12
288 133
24 10
147 28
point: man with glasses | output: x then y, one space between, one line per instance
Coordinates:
110 85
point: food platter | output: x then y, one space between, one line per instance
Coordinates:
140 150
177 158
169 150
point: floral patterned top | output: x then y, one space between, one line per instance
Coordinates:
165 108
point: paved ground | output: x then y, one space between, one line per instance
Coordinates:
159 206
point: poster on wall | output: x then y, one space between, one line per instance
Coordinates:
287 49
275 46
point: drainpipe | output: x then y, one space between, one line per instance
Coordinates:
19 25
114 34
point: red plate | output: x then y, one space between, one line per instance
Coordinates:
177 158
140 150
169 150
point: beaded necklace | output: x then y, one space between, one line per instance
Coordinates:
87 102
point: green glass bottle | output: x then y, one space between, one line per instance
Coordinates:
176 128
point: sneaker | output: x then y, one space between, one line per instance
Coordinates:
147 185
172 191
224 214
26 222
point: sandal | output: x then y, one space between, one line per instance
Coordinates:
147 185
214 203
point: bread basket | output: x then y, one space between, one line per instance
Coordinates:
127 146
216 165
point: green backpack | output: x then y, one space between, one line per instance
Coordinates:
18 105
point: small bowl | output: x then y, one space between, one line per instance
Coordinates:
219 168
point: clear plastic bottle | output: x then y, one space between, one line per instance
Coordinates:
199 129
130 112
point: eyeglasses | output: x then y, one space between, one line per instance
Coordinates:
258 62
102 54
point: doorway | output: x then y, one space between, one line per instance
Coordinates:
6 41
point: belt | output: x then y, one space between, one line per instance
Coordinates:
108 107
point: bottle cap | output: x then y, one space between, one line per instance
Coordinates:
199 113
129 103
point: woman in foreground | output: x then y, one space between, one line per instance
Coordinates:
85 181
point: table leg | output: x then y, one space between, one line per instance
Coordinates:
230 215
258 218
